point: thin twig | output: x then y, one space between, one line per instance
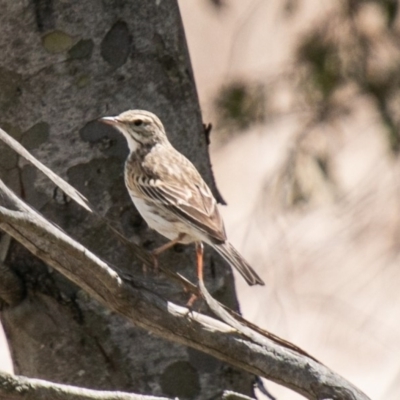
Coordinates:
14 387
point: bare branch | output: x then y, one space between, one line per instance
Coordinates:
162 317
65 186
14 387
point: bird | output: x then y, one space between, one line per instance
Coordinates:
170 193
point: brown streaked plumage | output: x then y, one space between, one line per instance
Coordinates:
169 192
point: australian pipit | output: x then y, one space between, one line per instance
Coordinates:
170 194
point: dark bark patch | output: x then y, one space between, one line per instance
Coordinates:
94 178
116 45
202 361
11 177
36 276
131 221
106 138
12 289
8 157
44 14
180 380
167 61
36 135
10 84
31 194
83 49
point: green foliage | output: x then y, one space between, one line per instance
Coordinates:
353 46
391 8
321 57
240 105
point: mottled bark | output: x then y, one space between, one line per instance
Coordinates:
63 65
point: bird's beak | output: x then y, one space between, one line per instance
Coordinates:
109 120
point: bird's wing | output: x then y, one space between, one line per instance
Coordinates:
186 195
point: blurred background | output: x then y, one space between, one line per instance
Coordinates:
304 99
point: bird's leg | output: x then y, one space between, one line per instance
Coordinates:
156 252
199 256
191 301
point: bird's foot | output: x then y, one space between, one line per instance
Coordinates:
193 298
155 265
154 255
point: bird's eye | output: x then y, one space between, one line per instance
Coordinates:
138 122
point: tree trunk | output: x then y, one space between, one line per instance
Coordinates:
63 65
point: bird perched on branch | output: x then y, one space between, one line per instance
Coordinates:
170 194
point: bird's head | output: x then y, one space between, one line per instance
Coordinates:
139 128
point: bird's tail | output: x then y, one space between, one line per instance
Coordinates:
231 255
